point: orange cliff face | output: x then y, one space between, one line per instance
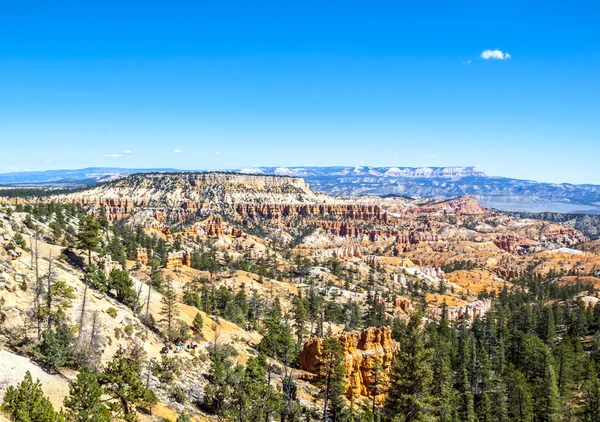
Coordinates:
361 352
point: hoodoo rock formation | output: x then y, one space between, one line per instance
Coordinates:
141 255
471 310
178 259
361 352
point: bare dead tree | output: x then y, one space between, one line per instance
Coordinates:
38 291
82 315
138 295
153 267
49 280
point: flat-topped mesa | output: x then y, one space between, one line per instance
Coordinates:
179 196
197 181
361 352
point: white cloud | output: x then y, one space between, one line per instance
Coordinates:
47 162
495 55
113 155
177 151
128 151
218 153
466 62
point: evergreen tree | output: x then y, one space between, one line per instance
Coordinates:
465 403
121 283
520 400
26 403
442 388
198 323
300 319
84 400
121 381
58 299
408 396
278 340
333 372
88 235
55 348
183 417
170 309
88 239
590 411
218 390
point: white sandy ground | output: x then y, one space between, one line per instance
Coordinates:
14 367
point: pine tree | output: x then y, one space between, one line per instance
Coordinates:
218 390
88 235
539 364
300 319
198 323
59 297
442 390
26 403
499 399
169 309
466 409
333 372
55 348
121 283
121 381
376 386
590 411
520 400
183 417
408 396
84 400
278 340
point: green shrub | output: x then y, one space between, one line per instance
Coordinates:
167 369
179 395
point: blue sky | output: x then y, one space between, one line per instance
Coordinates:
279 83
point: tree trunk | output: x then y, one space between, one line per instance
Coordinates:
82 316
49 280
326 398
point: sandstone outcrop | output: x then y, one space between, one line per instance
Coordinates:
141 255
178 259
471 310
361 352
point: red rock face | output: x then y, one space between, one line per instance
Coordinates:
506 243
361 352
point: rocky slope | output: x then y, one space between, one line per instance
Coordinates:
588 224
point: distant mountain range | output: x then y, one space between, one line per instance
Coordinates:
435 182
79 177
